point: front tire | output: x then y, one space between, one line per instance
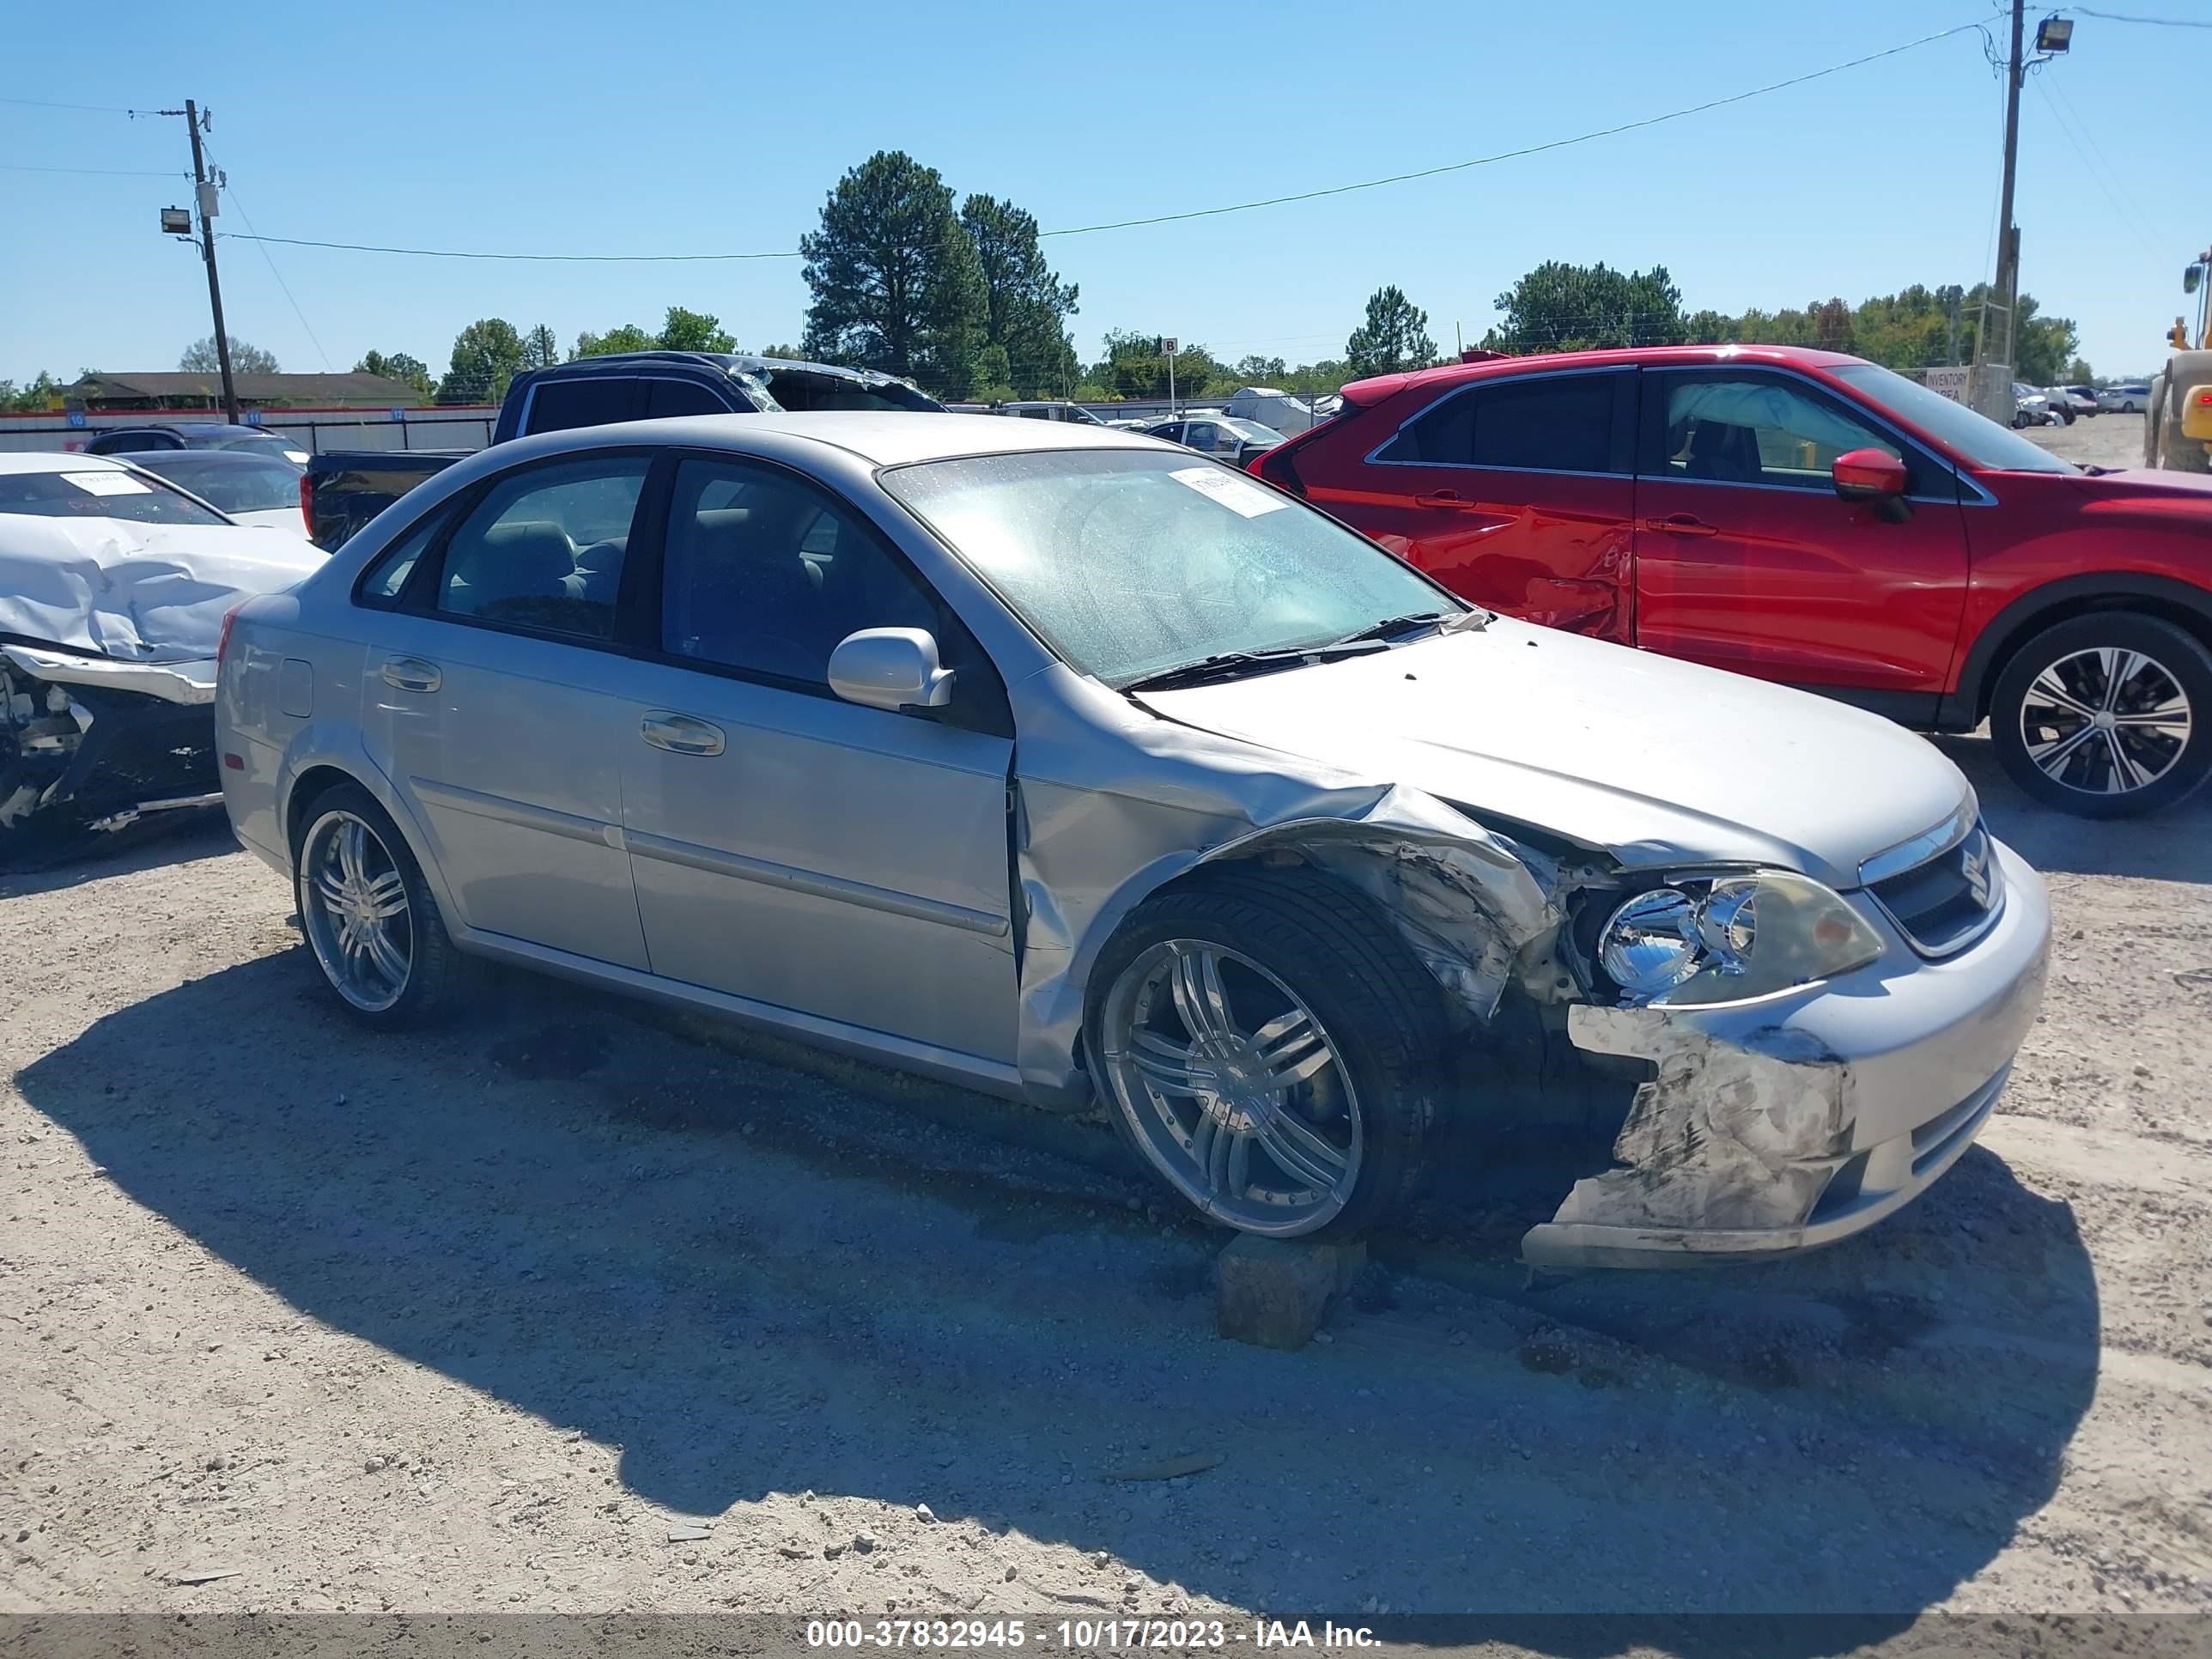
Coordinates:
371 920
1271 1048
2104 715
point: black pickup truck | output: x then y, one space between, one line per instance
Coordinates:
347 488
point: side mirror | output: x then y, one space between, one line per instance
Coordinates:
890 668
1869 475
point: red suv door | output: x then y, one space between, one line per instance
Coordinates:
1516 492
1747 559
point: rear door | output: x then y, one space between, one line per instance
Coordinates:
1515 492
492 701
1747 559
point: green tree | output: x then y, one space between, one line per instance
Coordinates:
623 337
895 281
1564 307
1261 371
486 354
541 348
1394 337
42 393
200 357
1134 366
399 366
694 330
1026 306
2078 373
1831 326
991 381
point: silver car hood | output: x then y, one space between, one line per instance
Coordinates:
1659 762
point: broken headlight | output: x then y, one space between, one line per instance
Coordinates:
1724 939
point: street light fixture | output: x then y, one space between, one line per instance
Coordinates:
2054 34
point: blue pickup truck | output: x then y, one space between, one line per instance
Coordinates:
345 488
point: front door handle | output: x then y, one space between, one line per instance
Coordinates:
680 734
1446 498
411 674
1681 524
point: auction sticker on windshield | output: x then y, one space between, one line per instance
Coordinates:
1237 494
107 484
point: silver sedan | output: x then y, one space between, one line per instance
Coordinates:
1066 764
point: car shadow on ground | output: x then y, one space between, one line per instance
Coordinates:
757 1281
177 837
2175 845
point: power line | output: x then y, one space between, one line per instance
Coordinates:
2128 214
2154 23
271 263
1530 150
1195 213
86 109
96 173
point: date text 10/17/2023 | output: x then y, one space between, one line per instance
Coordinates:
1084 1635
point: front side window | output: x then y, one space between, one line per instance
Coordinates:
1981 441
1753 431
765 574
106 492
1541 423
544 548
1127 562
124 443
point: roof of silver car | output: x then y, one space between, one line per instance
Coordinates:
888 438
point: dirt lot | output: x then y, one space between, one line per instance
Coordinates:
473 1321
2094 440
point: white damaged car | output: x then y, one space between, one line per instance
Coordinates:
113 588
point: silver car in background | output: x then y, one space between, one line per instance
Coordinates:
1074 767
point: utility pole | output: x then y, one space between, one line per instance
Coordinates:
2008 274
204 199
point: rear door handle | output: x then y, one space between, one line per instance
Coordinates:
1446 498
412 674
1681 524
680 734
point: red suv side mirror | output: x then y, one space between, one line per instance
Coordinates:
1869 475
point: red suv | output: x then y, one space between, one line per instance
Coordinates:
1810 518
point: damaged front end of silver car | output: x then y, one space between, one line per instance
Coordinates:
89 744
1680 1140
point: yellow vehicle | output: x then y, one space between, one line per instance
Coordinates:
2177 425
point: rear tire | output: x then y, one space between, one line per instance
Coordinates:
2074 739
1206 993
370 919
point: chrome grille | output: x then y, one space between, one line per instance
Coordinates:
1944 904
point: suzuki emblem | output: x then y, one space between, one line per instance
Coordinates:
1974 867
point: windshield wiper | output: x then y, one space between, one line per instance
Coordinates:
1233 665
1452 622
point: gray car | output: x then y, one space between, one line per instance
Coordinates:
1069 765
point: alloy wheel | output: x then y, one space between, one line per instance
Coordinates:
2105 721
354 902
1234 1092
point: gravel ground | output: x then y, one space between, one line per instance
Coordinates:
562 1309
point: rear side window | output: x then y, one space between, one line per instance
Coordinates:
544 548
248 485
563 405
1545 423
669 397
122 443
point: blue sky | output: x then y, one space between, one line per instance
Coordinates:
662 127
